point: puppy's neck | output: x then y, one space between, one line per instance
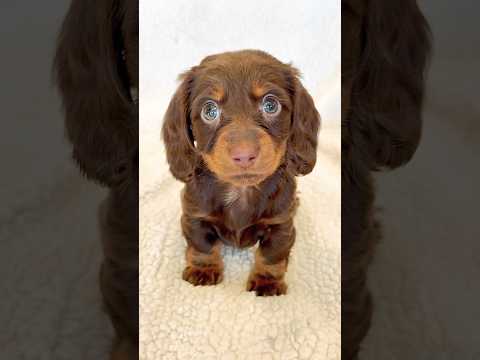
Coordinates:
237 195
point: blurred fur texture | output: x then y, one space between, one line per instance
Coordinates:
385 50
240 205
96 65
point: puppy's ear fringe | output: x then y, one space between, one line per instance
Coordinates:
388 89
302 143
292 76
88 69
176 130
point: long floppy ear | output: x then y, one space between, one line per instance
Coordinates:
387 94
177 133
302 143
90 72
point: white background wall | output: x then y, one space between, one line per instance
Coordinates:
175 35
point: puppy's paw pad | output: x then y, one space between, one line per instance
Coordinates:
208 275
266 286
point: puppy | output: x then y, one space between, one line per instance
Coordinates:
238 130
96 67
385 47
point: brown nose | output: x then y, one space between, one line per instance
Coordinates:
244 156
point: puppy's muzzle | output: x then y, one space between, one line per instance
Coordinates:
243 148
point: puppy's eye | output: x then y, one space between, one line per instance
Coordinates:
271 105
210 111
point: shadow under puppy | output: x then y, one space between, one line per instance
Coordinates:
238 130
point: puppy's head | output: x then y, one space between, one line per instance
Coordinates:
242 114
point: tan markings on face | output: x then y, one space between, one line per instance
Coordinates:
218 93
233 137
258 90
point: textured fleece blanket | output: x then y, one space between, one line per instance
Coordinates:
180 321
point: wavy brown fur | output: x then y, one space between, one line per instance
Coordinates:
385 47
96 63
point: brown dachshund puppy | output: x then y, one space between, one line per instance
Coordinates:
238 130
385 47
96 66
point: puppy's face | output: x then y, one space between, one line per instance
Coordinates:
242 114
241 111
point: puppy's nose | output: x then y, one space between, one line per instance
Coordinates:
244 156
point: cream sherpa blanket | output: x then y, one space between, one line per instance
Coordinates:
180 321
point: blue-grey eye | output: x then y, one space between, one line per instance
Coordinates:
271 105
210 111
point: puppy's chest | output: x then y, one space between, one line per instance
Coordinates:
240 211
240 207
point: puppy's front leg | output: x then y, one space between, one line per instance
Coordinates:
271 259
204 262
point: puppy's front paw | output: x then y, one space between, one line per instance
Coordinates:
265 285
205 275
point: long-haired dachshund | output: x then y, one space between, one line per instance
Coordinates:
238 130
96 66
385 47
